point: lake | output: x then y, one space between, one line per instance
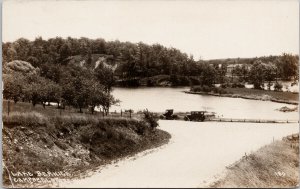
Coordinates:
158 99
198 152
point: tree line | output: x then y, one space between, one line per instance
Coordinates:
75 86
139 60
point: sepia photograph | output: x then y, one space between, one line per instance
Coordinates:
150 94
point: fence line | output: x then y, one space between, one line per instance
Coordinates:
251 120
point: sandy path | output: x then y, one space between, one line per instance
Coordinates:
195 154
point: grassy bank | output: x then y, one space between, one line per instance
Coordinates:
70 143
254 94
273 166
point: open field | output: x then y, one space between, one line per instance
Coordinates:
274 165
52 110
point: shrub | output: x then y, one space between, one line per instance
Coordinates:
194 81
219 90
224 85
203 88
237 85
151 119
150 83
278 87
196 88
207 88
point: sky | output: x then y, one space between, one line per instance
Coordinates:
206 29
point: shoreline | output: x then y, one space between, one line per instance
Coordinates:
244 97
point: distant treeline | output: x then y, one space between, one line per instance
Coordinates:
135 63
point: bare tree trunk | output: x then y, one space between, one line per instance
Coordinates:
92 109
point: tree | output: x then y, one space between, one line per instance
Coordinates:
289 66
105 76
257 74
208 75
81 89
107 101
41 90
96 96
270 74
13 86
245 72
221 70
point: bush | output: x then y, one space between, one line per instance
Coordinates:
207 88
219 90
179 80
237 85
196 89
194 81
151 119
224 85
150 83
278 87
203 88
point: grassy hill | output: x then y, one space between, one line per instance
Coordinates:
72 142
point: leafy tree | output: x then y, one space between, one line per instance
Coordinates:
289 66
13 86
41 90
270 74
257 74
96 96
208 75
105 76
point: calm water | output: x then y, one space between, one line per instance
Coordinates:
159 99
197 151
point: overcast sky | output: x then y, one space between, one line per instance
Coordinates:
206 29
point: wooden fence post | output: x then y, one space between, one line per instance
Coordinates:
8 106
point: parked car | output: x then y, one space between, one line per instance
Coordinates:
169 115
195 116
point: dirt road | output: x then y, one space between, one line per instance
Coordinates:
195 155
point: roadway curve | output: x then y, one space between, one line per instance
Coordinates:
195 155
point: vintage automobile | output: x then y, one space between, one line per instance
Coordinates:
195 116
169 115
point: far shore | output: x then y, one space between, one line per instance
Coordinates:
262 96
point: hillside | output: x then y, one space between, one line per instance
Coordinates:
92 61
71 144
